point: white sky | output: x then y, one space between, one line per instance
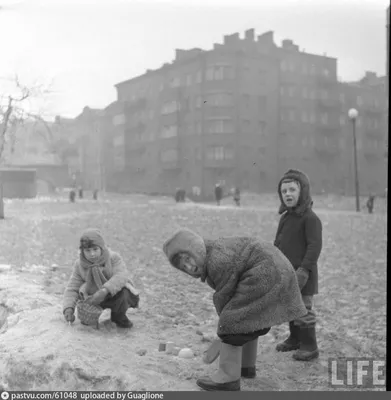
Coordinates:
87 46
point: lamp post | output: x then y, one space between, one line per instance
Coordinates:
353 114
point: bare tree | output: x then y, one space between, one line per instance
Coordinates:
15 109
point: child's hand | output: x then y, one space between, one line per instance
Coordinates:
98 297
69 315
302 277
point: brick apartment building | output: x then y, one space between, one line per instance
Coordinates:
243 112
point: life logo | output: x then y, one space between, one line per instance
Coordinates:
5 395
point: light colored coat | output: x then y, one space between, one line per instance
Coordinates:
117 275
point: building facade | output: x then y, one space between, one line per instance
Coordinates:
243 113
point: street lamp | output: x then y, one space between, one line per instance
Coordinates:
353 114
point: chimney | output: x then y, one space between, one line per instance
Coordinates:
250 34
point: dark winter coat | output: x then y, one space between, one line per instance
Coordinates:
299 233
255 285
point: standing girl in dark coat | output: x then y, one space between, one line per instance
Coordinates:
255 288
299 237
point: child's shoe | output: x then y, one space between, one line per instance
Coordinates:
308 346
293 341
121 320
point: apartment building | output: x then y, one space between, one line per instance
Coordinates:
243 113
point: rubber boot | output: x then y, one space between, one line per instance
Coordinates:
249 358
308 346
293 341
227 378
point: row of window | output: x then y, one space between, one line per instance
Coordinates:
213 153
304 68
340 142
324 94
324 118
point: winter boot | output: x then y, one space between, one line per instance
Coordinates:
227 378
249 358
121 320
308 346
293 341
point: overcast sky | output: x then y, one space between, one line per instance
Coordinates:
85 47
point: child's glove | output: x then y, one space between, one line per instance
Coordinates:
302 277
69 315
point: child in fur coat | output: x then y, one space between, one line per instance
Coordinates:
100 277
255 288
299 237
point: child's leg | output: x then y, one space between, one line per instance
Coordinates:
119 304
227 378
308 345
293 340
249 358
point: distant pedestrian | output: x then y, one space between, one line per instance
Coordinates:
183 195
95 194
72 196
237 196
80 192
371 203
178 194
218 193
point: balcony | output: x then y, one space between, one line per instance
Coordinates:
373 111
170 165
330 129
332 104
372 154
326 151
375 133
219 164
136 105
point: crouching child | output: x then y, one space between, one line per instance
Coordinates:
100 278
255 288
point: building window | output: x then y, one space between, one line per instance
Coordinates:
262 128
291 66
169 155
246 123
199 77
169 131
312 69
118 119
175 82
283 65
325 72
161 87
305 92
304 116
313 118
312 94
291 115
246 100
342 98
220 126
220 100
188 80
198 128
282 91
219 153
262 103
324 94
304 69
291 91
218 72
342 120
359 101
119 140
170 107
324 118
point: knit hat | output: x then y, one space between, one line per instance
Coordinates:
92 237
305 201
185 240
